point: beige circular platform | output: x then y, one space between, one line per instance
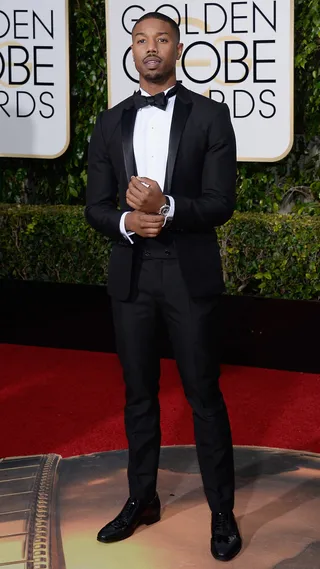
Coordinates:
277 506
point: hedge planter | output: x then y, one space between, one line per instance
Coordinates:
266 255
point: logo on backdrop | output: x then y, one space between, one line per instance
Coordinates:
240 53
34 78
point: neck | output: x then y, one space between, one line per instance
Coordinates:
154 88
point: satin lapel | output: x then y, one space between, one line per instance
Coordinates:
181 112
127 126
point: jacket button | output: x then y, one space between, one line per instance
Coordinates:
167 252
147 253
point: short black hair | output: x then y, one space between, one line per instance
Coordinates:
163 18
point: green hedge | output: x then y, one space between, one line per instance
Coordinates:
267 255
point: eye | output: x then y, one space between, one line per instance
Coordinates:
141 41
163 40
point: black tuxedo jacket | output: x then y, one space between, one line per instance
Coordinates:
200 175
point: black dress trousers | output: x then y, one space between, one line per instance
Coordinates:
193 327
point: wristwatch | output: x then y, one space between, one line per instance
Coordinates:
165 208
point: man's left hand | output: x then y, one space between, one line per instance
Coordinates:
145 195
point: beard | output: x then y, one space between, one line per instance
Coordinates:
157 76
154 77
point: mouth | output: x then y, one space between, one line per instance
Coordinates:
152 62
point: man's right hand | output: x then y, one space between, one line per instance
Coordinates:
144 224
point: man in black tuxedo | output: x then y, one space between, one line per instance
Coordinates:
169 155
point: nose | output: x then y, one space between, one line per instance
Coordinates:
152 46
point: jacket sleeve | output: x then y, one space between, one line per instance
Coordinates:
217 202
101 198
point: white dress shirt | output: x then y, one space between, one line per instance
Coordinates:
151 145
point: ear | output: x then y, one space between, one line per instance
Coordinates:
179 50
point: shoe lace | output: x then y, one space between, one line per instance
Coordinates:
221 523
125 514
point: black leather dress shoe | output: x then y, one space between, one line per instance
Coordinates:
226 540
134 513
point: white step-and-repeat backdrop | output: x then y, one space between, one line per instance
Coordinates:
237 52
240 52
34 78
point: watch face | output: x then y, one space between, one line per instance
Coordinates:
164 210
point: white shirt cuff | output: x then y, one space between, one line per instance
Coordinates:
123 230
170 213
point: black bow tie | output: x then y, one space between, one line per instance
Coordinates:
160 100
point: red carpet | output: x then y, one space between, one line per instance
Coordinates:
71 402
